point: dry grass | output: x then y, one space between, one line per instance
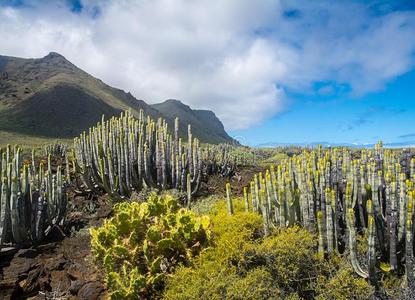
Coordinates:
28 141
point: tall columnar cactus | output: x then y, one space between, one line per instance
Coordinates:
130 153
371 253
32 200
341 194
320 233
329 220
409 254
246 200
229 199
265 213
189 189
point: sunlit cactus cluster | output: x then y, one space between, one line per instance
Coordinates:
224 159
343 194
32 199
127 154
56 149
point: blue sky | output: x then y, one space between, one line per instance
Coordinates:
282 71
387 115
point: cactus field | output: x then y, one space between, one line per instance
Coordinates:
207 150
355 207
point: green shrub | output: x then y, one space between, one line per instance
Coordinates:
289 255
345 284
214 274
395 287
255 284
231 234
144 242
203 205
244 265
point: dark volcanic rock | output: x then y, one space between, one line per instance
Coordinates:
91 290
59 268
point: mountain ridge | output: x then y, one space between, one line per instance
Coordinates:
52 97
406 144
172 108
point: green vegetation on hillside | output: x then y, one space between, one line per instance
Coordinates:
50 97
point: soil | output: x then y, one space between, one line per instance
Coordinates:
62 266
216 185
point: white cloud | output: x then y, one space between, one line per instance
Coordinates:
236 57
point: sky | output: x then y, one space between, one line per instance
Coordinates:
286 71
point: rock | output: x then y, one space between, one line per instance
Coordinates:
55 234
75 272
9 290
76 285
40 296
104 211
56 264
6 251
28 253
59 282
91 290
37 279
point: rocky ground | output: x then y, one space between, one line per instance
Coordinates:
215 185
62 267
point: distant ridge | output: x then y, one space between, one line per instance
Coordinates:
409 144
205 124
51 97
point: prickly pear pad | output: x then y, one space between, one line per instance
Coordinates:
144 242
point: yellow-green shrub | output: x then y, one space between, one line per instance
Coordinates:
244 265
231 234
145 241
344 285
213 274
289 254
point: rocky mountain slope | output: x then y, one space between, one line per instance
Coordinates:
52 97
205 124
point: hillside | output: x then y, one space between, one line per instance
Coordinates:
205 124
51 97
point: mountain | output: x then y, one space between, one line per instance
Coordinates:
407 144
205 124
51 97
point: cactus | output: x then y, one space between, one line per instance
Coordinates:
352 245
329 221
31 200
341 194
265 213
246 200
189 189
371 253
229 199
165 236
127 154
320 233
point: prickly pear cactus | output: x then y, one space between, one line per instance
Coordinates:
144 242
